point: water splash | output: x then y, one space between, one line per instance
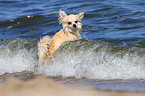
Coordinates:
79 59
15 56
97 60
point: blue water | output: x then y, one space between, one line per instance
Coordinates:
113 45
106 20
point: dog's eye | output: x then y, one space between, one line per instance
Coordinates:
69 23
76 21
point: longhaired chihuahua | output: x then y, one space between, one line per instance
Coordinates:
71 31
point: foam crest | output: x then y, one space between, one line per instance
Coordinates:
15 57
78 59
20 62
96 61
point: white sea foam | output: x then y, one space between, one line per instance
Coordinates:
14 57
93 61
22 61
95 65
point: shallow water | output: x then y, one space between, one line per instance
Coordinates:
112 48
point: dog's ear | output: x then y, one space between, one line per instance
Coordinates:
62 14
81 15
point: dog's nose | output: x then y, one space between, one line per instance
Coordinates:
74 25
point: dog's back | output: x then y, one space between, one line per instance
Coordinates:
47 46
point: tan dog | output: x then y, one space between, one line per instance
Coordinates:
71 31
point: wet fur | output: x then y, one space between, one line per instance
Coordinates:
47 46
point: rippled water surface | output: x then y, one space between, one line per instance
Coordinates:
113 45
104 19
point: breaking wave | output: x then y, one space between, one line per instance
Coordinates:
79 59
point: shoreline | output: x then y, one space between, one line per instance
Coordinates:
41 86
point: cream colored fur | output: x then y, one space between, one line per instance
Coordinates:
70 32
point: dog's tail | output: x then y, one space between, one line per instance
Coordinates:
43 46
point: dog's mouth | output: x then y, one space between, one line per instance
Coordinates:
70 30
73 29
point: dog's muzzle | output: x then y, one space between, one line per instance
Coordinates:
74 25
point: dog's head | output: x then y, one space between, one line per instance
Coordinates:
71 23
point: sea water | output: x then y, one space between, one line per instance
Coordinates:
111 55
